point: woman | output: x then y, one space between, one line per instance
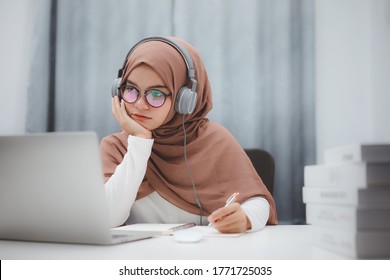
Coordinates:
167 165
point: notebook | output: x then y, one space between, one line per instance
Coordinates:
169 229
52 190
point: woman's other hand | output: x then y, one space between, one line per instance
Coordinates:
230 219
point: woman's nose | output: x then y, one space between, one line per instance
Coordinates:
141 103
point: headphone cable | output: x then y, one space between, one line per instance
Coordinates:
190 174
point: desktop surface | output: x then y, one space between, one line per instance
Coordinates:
281 242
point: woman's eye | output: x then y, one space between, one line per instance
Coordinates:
156 93
130 88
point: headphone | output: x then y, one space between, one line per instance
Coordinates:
186 97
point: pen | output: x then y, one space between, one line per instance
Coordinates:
229 201
188 225
232 198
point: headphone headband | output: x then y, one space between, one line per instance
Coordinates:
178 47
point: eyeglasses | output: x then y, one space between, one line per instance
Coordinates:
153 97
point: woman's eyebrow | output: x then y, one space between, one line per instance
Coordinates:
155 86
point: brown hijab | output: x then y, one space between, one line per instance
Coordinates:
218 164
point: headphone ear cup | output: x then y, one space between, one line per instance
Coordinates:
115 87
185 101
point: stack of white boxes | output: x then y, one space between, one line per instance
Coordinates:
348 201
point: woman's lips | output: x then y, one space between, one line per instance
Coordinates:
140 117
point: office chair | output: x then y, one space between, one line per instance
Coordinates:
264 164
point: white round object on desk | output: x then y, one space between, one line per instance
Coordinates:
187 236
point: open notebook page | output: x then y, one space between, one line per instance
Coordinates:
166 229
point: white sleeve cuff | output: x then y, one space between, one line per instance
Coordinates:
257 210
138 146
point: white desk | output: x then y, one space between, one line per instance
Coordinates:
274 243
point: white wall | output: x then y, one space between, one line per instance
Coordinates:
16 22
352 72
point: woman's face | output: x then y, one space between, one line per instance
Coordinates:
144 79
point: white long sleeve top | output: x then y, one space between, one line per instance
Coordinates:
121 190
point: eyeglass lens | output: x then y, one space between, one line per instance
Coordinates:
154 98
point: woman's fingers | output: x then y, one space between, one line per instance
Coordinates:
230 219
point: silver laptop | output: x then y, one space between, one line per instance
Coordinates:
52 190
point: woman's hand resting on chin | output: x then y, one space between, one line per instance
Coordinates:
126 122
